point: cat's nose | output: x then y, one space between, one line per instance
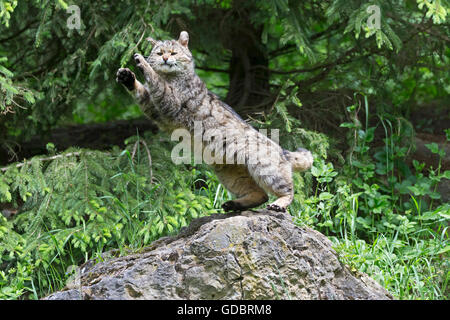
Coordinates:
165 58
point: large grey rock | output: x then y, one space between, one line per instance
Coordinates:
254 255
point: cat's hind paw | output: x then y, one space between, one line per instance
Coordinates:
276 208
232 206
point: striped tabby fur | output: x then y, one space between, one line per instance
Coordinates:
176 97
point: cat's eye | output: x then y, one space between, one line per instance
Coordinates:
173 53
160 53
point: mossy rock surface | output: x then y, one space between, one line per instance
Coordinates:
252 255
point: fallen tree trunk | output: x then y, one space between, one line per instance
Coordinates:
99 136
253 255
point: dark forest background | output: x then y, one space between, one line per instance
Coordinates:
83 172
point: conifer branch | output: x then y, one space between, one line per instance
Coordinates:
70 154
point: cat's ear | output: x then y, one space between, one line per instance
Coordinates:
153 41
184 38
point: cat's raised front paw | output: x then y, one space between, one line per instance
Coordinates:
140 61
126 77
138 58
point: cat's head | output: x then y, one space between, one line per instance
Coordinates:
171 57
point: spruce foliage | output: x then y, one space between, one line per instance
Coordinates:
84 203
319 72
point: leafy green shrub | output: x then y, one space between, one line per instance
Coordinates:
83 203
383 219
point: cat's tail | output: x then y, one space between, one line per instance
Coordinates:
301 159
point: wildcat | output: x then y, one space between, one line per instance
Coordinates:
175 97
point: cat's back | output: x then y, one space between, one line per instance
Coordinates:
214 113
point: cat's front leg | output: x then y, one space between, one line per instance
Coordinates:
161 92
127 78
149 74
157 86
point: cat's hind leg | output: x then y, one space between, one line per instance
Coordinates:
276 180
238 181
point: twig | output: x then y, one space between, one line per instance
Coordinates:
148 155
140 39
212 69
70 154
17 33
420 27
